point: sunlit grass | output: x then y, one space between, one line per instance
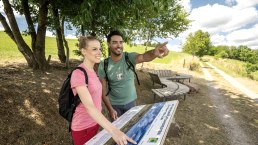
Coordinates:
235 68
10 52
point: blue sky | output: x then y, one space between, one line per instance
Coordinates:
229 22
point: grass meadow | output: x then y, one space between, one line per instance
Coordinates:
233 67
10 52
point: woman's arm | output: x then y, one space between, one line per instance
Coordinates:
119 137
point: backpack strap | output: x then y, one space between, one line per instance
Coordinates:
85 74
105 70
131 66
77 98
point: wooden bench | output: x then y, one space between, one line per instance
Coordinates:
173 76
155 79
169 88
146 124
194 88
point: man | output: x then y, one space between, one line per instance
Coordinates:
122 93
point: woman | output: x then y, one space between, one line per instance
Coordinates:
88 116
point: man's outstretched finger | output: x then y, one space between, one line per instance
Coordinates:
163 44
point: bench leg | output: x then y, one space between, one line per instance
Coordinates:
184 96
154 97
164 99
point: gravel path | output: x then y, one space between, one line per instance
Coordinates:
236 135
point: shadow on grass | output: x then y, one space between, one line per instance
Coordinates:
29 109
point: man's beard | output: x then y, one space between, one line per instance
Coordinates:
115 52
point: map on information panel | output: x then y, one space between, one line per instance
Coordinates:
150 129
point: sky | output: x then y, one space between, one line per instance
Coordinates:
229 22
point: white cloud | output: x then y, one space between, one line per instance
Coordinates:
247 37
176 48
242 18
218 39
1 27
15 12
186 4
70 36
209 17
230 2
241 4
49 34
218 18
1 11
1 7
226 25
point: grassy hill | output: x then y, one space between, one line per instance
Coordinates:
9 50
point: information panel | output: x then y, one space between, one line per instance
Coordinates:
150 129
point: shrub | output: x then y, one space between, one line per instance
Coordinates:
194 66
251 68
254 75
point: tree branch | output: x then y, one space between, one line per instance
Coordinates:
7 28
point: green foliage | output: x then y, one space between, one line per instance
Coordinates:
242 53
198 44
136 19
221 54
251 68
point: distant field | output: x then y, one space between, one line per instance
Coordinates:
10 52
233 67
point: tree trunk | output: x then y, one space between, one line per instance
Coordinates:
32 32
41 34
82 30
66 44
59 38
22 46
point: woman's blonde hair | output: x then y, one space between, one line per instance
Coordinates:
83 41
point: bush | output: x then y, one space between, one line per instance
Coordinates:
251 68
254 75
194 66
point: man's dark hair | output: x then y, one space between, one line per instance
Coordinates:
112 33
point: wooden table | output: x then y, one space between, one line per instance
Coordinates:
146 124
179 77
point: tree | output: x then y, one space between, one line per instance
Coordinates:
198 44
141 20
35 56
56 26
158 18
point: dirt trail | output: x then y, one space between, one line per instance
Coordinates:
236 134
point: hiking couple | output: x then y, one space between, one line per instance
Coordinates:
118 93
